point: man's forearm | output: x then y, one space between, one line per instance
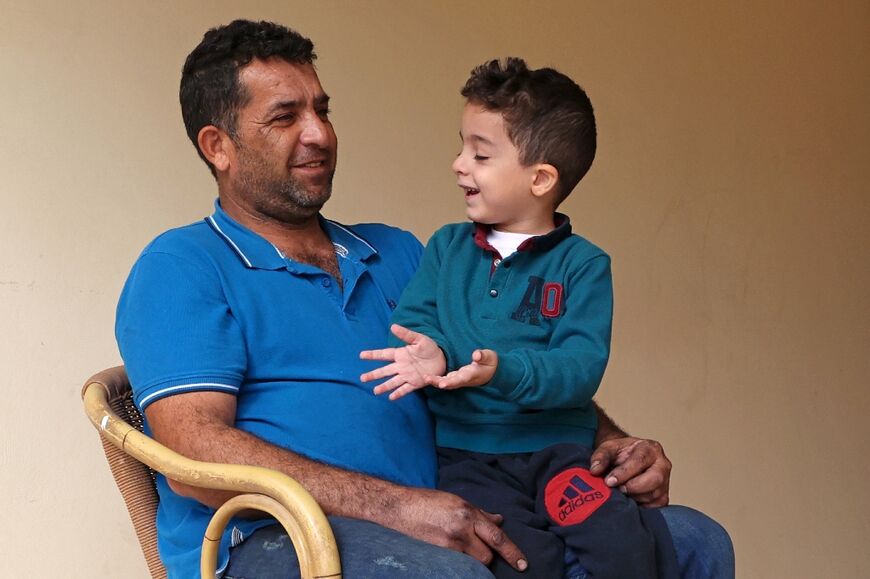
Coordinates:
190 426
607 428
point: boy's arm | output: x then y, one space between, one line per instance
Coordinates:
417 308
568 372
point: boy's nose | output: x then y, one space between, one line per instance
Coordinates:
459 165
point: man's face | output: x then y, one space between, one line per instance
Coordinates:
285 146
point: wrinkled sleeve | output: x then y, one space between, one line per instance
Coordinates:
567 374
417 309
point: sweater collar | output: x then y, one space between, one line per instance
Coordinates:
536 243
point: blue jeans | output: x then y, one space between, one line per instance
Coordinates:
370 551
704 549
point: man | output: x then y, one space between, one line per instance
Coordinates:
241 336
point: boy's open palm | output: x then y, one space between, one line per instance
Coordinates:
419 363
479 372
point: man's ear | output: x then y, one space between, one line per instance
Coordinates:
546 179
216 146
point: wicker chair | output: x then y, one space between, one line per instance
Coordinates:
134 458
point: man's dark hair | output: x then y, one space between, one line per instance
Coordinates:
548 118
211 93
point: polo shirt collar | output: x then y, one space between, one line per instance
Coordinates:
536 243
258 253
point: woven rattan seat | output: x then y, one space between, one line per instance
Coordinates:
134 457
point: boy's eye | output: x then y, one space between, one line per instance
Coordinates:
480 158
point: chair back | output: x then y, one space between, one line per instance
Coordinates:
135 480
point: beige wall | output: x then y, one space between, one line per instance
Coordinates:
731 189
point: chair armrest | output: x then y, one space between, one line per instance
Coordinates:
310 530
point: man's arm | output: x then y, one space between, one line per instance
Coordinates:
638 466
199 425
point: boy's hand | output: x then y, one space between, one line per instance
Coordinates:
479 372
419 363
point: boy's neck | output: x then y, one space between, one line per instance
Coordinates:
540 225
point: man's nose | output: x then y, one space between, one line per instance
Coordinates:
316 131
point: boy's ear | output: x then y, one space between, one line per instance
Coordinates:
216 146
546 179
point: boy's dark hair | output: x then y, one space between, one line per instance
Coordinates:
548 118
211 93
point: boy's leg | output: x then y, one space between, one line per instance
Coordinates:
602 529
495 484
367 550
704 549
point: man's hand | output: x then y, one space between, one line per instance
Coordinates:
448 521
413 366
637 466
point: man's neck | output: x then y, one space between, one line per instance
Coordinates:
302 240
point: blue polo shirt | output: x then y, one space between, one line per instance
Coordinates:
215 307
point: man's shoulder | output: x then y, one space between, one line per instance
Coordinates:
185 241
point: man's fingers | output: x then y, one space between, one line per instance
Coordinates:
650 481
494 517
498 541
632 461
601 459
656 498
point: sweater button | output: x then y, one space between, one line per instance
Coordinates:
493 293
326 282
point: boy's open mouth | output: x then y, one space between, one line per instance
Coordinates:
469 191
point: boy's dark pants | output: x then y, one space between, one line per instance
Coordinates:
550 501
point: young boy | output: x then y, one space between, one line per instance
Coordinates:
514 420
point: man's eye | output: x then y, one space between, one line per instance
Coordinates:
286 118
324 113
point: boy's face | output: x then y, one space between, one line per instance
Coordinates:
497 186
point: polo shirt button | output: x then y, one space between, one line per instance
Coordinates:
507 264
496 261
326 282
493 293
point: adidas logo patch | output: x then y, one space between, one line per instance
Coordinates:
573 495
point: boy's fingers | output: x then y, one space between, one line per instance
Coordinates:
404 334
387 354
485 357
390 384
378 373
403 390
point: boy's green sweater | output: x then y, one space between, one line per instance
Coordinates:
546 310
